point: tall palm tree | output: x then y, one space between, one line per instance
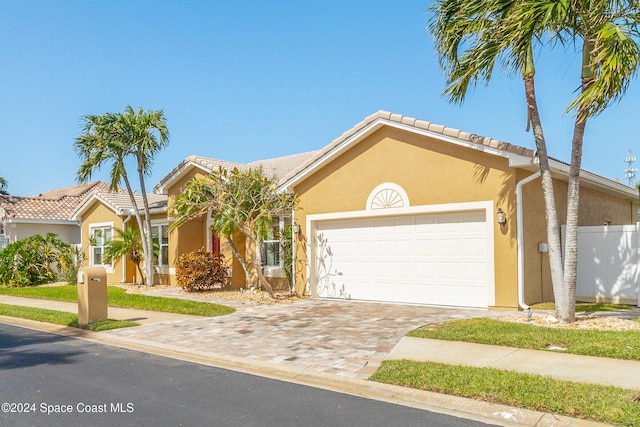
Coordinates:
114 137
472 35
3 186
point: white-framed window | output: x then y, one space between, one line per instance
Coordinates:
271 246
160 236
100 234
271 249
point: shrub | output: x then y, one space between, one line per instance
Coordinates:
34 260
201 270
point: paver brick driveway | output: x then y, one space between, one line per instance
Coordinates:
339 337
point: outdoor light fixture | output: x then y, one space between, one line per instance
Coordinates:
296 228
501 217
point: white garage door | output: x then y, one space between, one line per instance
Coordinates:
438 259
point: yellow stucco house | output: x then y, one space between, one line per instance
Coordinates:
402 210
395 209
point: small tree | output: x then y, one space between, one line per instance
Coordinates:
242 201
129 243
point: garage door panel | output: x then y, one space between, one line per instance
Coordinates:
436 259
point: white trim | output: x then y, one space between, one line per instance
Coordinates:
41 221
487 206
108 268
78 212
162 189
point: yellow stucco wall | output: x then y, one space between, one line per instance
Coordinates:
431 172
192 235
98 213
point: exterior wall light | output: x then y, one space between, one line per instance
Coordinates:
501 217
296 228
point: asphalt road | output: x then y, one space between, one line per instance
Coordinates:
49 380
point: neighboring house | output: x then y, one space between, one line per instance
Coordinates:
49 212
102 213
198 233
402 210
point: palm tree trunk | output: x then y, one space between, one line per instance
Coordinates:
147 237
567 312
136 212
553 229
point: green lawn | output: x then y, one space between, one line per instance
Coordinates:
60 318
604 404
614 344
118 297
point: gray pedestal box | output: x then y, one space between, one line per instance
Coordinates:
92 295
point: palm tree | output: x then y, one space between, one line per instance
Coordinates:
114 137
3 186
128 243
506 31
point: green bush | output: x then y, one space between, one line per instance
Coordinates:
201 270
35 260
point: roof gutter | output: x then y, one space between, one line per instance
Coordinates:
520 236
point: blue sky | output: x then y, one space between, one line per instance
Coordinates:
248 80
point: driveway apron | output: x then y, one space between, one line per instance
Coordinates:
337 337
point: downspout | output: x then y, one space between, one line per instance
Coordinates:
520 237
124 257
294 242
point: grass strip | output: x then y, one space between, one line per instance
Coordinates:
118 297
614 344
607 404
60 318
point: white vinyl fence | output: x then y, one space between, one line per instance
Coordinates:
608 259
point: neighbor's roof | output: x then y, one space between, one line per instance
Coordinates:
54 205
277 167
120 202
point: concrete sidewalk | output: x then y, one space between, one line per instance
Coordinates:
562 366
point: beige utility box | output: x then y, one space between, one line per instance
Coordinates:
92 295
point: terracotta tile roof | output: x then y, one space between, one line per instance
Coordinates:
121 202
412 122
276 167
54 205
281 166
